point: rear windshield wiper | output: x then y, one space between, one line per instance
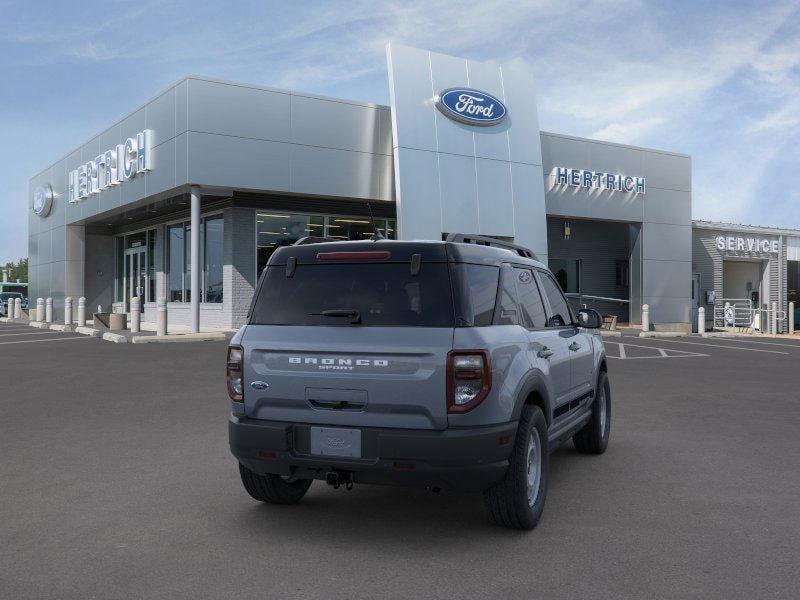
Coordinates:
353 315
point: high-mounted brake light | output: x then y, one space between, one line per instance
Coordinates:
233 372
356 256
469 379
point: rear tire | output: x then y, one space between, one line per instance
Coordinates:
593 438
273 489
517 501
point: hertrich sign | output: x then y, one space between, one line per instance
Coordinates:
112 167
469 106
742 244
599 180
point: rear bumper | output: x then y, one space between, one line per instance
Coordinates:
464 459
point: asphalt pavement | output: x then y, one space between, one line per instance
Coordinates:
116 482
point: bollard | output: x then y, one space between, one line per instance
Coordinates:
701 320
48 310
774 321
161 308
135 314
645 317
40 310
81 312
68 311
791 318
17 308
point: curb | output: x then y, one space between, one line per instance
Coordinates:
60 327
611 333
179 337
39 324
114 337
88 331
662 334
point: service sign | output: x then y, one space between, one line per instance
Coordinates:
43 200
732 243
112 167
614 182
469 106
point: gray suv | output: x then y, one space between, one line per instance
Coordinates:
454 364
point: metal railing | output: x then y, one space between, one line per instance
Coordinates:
739 313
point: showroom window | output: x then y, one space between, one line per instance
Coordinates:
179 260
568 274
274 230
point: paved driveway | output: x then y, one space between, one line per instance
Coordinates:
116 482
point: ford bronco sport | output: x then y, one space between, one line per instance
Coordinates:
452 364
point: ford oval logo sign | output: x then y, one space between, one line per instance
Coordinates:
43 200
472 107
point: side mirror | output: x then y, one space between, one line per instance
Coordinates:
590 319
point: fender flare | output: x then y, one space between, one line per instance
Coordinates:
534 381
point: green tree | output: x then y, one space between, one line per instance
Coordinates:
19 270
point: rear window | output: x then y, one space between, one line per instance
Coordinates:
384 295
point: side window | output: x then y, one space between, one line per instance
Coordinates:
530 301
508 306
558 304
477 292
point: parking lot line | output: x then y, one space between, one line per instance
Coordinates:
746 341
53 339
662 352
674 341
25 333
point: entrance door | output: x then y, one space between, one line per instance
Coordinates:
135 276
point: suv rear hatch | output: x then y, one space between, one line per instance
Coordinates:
353 334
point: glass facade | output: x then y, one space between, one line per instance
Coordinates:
275 229
179 260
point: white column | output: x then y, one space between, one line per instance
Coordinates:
40 310
195 245
17 308
161 309
135 314
701 320
645 317
48 314
791 318
67 311
81 312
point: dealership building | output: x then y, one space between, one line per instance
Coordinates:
187 196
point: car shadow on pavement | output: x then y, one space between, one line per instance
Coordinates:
387 513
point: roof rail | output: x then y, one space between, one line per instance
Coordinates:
480 240
313 239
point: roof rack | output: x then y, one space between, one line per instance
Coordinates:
480 240
313 239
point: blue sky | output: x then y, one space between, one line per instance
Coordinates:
717 80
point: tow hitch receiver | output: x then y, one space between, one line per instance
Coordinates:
339 478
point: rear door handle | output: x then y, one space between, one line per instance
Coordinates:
574 346
545 352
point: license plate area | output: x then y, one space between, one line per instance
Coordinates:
336 441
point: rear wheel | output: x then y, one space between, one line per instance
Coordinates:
593 438
517 501
273 489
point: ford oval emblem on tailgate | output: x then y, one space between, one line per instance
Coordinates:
259 385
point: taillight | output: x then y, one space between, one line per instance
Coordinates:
469 379
233 372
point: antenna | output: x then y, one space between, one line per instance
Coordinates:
376 234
